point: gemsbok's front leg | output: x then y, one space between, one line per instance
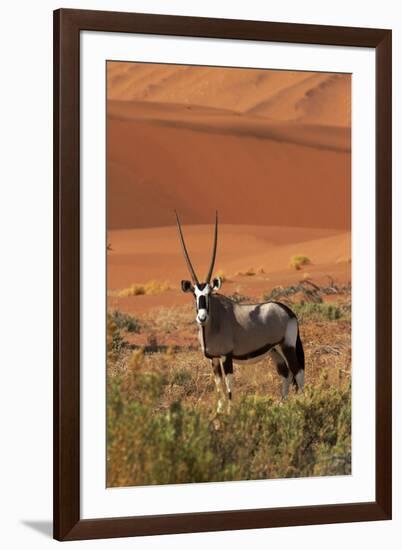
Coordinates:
216 366
227 371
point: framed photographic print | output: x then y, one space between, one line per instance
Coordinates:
222 239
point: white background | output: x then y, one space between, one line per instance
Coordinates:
26 272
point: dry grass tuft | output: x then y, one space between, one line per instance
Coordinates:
171 319
299 261
140 289
135 359
250 272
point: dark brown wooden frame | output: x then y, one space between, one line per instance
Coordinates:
67 27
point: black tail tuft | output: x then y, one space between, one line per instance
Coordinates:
299 351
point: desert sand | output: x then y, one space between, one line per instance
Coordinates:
140 255
270 150
317 98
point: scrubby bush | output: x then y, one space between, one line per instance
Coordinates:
161 402
171 319
316 312
310 291
299 261
140 289
114 340
149 443
135 359
126 322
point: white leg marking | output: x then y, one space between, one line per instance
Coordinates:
218 384
219 389
228 381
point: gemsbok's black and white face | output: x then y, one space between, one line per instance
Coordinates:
202 293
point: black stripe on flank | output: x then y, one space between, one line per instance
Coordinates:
256 353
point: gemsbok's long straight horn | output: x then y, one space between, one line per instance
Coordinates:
186 255
211 268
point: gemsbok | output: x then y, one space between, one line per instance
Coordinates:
239 333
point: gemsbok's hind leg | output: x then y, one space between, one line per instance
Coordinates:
291 350
283 371
296 369
216 366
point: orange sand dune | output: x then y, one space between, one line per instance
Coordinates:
322 98
219 121
154 168
141 255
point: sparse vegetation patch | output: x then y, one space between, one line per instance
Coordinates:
139 289
310 291
250 272
161 399
126 322
151 441
299 261
317 312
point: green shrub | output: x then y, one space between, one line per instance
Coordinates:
311 292
114 340
181 377
126 322
316 312
149 443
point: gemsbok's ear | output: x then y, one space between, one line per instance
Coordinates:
216 283
186 286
